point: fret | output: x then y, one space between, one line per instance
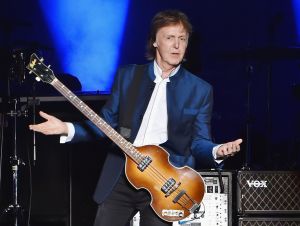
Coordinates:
99 122
110 132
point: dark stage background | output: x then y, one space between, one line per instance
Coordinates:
248 50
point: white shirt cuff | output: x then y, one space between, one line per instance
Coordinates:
71 133
214 153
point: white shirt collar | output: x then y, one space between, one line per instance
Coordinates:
158 73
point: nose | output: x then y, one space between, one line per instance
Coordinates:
176 43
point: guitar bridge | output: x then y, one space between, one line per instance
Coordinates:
181 193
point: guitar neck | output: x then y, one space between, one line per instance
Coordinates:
126 146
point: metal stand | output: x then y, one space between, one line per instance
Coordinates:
248 153
15 162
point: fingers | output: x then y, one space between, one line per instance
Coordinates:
229 149
47 127
38 128
52 125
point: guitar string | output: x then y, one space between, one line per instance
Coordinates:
184 201
87 112
176 192
153 172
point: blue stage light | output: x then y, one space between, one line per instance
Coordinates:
296 6
87 35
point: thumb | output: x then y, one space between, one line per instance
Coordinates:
45 115
238 141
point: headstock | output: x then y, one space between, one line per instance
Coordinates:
41 71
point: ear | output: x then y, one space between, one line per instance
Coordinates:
155 44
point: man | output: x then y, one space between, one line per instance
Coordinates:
158 103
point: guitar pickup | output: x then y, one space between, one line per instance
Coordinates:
168 185
144 163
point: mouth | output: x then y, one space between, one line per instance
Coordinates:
175 54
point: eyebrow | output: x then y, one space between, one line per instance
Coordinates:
178 36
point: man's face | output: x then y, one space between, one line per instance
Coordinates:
171 43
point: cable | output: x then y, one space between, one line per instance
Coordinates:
1 145
222 189
198 215
29 170
30 186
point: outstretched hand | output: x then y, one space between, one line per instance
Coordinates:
51 126
229 149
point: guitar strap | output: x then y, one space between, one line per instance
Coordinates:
126 117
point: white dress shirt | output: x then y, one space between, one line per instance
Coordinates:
154 127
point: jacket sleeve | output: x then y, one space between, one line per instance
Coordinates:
202 145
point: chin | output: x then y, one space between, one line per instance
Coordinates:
175 63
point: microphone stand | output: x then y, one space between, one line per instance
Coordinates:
16 74
248 153
249 120
15 162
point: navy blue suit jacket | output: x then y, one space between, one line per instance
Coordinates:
189 106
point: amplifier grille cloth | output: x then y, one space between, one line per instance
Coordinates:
281 193
269 222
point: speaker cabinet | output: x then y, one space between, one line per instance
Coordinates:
269 221
268 192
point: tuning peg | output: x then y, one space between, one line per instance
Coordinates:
49 66
38 79
30 72
42 59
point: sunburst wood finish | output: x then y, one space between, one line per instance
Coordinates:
176 192
156 174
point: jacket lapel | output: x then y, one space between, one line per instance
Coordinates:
144 95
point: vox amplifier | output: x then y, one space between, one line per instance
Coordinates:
268 192
269 221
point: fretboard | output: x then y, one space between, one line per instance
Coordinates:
126 146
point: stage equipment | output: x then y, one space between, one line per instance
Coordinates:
216 207
268 192
254 221
18 68
13 111
15 161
